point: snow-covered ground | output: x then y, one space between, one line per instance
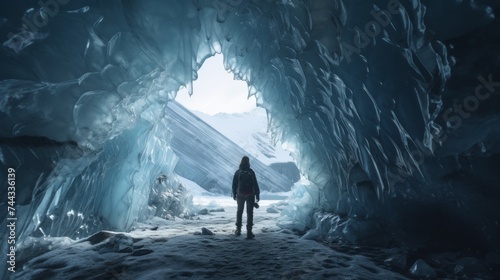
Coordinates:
166 249
202 247
205 247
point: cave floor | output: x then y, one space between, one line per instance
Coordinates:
170 249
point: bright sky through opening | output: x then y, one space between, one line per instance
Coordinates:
215 91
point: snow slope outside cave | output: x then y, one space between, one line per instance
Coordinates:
249 131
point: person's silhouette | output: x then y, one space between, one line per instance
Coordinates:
245 189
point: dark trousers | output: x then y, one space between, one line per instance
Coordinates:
250 200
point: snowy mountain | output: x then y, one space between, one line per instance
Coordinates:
209 158
249 131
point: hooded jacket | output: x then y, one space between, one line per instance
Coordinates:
256 189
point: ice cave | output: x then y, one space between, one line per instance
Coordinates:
389 109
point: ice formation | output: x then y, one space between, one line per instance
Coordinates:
388 107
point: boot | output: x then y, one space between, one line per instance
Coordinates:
250 235
238 231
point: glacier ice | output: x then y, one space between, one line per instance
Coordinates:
388 107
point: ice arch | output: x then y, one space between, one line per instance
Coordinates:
357 91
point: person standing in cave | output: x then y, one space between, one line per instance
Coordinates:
245 189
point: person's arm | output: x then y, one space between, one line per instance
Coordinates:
235 184
256 188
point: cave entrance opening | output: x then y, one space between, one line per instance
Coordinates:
215 91
222 103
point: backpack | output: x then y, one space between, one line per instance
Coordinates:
245 183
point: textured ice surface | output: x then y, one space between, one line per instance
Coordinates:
388 107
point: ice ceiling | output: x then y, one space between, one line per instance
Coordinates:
389 107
